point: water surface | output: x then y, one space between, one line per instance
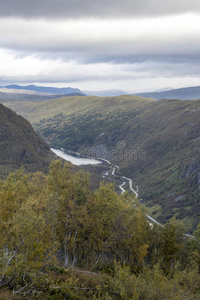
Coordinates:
78 161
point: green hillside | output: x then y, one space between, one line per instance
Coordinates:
75 122
165 163
156 144
20 145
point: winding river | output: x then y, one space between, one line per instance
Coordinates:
91 161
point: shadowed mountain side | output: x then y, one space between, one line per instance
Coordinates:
20 145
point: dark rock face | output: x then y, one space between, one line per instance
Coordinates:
180 198
192 170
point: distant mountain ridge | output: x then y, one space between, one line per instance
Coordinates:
63 91
43 89
188 93
17 97
106 93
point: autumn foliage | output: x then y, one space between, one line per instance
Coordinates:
60 239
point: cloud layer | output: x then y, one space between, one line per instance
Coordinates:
133 45
95 8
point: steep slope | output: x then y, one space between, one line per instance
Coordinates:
162 156
20 145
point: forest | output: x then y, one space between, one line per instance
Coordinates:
60 239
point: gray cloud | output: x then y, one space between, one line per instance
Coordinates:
95 8
104 40
146 74
31 68
108 43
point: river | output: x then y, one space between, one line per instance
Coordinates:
78 161
90 161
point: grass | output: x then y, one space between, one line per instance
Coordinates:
154 210
77 105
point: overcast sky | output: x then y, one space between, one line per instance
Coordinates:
133 45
